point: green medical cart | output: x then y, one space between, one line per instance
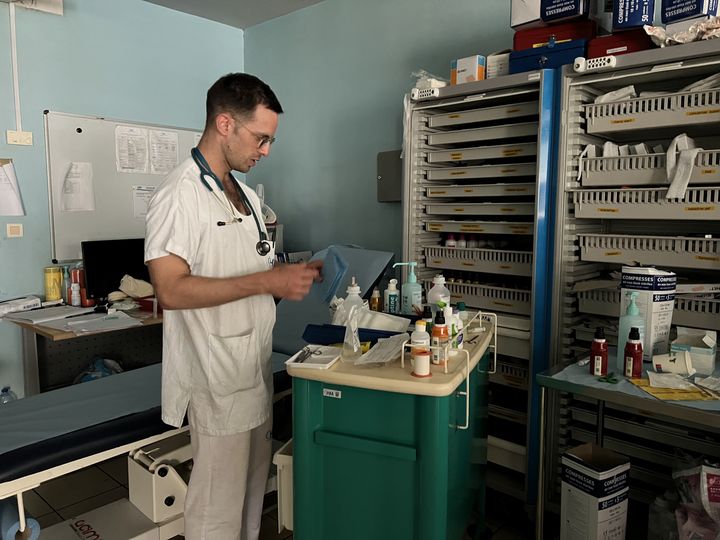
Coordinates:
379 454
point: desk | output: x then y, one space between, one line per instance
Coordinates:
576 379
53 358
379 454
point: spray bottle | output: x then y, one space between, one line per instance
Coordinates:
411 291
631 319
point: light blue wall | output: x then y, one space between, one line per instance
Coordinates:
129 60
340 69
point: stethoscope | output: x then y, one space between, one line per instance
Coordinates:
263 246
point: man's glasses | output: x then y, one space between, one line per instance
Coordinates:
262 140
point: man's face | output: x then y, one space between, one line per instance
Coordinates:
250 139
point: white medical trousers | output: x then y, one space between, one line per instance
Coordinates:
227 484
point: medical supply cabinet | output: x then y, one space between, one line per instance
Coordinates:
478 165
613 210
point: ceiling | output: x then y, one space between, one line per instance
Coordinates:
238 13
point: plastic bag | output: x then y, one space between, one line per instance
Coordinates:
97 369
352 349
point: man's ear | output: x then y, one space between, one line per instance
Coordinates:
224 124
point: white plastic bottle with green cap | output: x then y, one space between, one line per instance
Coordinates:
632 318
438 293
411 291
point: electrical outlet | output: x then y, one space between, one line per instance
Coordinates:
23 138
14 230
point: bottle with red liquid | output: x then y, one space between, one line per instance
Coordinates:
633 354
599 354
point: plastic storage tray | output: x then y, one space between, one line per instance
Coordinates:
647 203
493 261
510 374
675 251
481 209
482 190
505 131
515 347
486 227
489 298
693 312
686 109
646 170
484 171
487 114
501 151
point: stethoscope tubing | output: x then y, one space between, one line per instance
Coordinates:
262 247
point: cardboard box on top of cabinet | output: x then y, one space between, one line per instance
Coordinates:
702 346
595 487
525 13
498 64
562 10
471 68
629 14
679 10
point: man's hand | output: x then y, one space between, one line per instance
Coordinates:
292 281
318 266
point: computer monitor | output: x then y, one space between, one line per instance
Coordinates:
107 261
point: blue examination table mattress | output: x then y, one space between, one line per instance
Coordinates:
46 430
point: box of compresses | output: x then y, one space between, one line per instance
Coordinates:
595 486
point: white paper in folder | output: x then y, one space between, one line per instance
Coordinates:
10 199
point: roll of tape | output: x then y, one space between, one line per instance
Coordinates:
10 522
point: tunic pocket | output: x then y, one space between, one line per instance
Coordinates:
234 363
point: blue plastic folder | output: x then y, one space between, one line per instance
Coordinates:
334 269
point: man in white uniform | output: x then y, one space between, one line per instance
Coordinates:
216 282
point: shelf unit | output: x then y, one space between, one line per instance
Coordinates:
613 211
478 162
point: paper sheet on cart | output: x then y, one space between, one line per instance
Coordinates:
672 394
10 199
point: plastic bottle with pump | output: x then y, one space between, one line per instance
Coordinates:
391 302
438 293
632 318
7 395
599 354
352 304
411 290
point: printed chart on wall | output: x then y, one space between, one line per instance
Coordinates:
102 174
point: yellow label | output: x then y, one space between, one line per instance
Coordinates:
515 190
708 171
471 228
706 258
434 227
454 116
613 253
699 113
544 43
625 121
507 209
699 208
458 209
436 261
510 111
436 192
507 170
458 173
512 152
608 210
456 155
467 264
505 267
469 190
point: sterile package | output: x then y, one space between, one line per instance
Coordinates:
700 345
626 92
385 350
468 69
669 380
711 383
19 304
632 13
498 64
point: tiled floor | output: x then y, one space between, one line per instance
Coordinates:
90 488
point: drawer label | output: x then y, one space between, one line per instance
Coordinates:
454 116
709 208
329 392
436 192
456 155
623 121
706 111
613 253
706 258
515 190
458 173
708 171
471 228
506 171
458 209
512 152
608 210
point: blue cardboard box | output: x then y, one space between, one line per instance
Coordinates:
560 10
629 14
550 56
679 10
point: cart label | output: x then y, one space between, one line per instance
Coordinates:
329 392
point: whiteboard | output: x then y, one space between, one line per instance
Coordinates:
100 176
